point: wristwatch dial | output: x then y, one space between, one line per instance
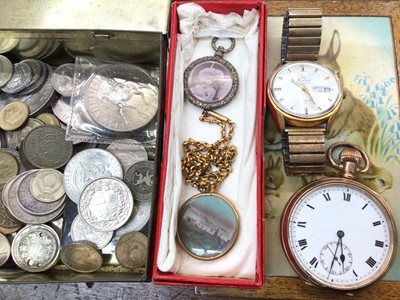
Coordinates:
305 90
338 234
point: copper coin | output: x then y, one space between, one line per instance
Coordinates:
131 250
81 257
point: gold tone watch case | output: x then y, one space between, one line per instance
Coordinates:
282 118
307 276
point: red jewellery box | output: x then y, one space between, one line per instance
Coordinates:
235 32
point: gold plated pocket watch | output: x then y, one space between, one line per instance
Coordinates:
336 232
211 81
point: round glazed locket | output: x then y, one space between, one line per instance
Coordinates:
211 81
337 233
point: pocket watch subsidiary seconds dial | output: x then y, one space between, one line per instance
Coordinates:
336 232
305 90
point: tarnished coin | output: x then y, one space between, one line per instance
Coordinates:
20 79
14 207
7 44
36 248
9 230
39 100
5 250
40 73
62 109
8 167
5 220
80 231
45 147
20 134
121 97
6 70
105 204
87 166
29 203
140 179
131 250
81 257
48 118
47 185
128 152
63 79
13 115
15 153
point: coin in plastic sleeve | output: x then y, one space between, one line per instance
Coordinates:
121 97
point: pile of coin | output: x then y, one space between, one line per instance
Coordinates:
40 172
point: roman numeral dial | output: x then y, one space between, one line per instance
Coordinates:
337 232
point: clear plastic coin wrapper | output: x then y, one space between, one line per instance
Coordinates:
113 101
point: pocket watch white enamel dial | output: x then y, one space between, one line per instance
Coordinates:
338 233
305 92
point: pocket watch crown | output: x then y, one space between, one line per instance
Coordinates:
350 159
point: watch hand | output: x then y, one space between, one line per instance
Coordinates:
305 90
342 257
334 258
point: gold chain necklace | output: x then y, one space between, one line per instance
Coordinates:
200 157
208 223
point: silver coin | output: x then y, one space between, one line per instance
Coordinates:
29 203
19 135
45 147
87 166
7 44
15 153
121 97
12 203
20 79
137 221
105 204
36 248
128 152
62 109
6 70
41 99
140 179
81 232
5 249
40 72
62 79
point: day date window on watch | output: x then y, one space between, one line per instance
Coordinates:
321 89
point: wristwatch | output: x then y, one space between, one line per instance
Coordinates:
319 235
303 94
